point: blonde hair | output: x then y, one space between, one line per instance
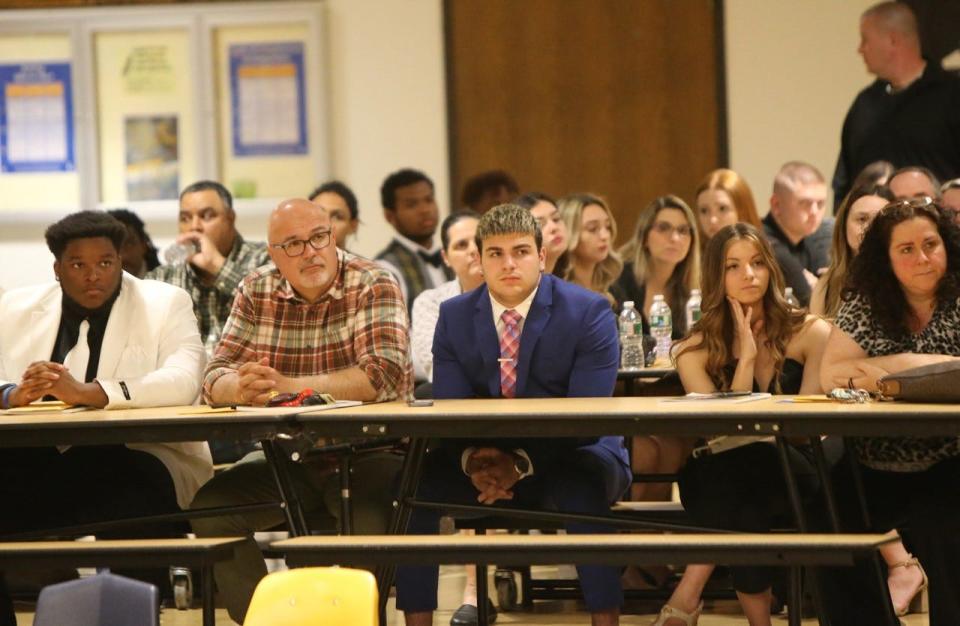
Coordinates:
739 192
686 275
607 270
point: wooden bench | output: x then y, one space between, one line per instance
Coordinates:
122 553
790 550
622 549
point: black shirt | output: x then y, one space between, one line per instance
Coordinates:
70 319
919 125
811 253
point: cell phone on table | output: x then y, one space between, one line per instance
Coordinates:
731 394
426 402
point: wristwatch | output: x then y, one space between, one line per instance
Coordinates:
521 464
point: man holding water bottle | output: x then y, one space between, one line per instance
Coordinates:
208 260
209 257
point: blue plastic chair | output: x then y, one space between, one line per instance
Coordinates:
101 600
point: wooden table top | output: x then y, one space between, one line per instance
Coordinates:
531 417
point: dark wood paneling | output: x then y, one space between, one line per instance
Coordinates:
618 97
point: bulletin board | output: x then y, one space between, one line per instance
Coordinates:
290 155
39 184
142 101
36 118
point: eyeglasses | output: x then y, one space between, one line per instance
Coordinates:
666 228
295 247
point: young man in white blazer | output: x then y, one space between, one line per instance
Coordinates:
97 337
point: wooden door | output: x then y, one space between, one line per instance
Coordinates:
619 97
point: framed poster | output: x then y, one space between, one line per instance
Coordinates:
268 99
36 118
151 154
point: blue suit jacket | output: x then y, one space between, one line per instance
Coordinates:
569 347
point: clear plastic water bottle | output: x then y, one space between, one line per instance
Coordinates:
178 253
661 326
790 298
693 308
631 338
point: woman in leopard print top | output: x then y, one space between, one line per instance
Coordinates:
901 310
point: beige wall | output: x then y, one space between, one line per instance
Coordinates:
792 72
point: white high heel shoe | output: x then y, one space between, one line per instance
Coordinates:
671 612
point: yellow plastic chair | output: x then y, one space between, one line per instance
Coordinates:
332 596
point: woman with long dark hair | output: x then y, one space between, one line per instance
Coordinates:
748 339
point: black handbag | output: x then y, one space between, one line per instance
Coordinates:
939 382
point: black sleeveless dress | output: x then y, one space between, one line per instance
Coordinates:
743 489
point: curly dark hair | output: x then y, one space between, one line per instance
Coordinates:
871 273
400 178
83 225
131 219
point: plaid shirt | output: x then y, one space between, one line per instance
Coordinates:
361 322
211 303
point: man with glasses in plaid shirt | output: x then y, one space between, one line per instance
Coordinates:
322 319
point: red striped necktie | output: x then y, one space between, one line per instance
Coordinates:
509 350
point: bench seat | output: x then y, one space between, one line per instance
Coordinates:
607 549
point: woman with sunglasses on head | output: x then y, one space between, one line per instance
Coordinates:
900 310
855 215
748 339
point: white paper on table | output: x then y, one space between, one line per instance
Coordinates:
709 397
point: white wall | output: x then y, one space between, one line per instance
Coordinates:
792 72
386 94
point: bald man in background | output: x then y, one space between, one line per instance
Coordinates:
910 115
320 318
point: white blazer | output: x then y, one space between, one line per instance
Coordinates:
151 344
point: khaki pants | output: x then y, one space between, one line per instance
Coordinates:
250 480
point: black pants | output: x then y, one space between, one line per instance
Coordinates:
42 488
925 508
744 490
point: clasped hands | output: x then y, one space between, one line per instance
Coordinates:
43 378
494 473
257 382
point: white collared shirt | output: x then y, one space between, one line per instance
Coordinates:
523 309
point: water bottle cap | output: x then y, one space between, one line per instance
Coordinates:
658 296
789 290
628 304
694 292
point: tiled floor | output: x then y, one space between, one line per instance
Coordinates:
724 613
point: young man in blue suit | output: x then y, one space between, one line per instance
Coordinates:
524 334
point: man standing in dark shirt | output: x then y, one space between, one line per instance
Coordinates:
910 115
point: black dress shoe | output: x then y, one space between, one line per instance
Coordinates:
466 615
